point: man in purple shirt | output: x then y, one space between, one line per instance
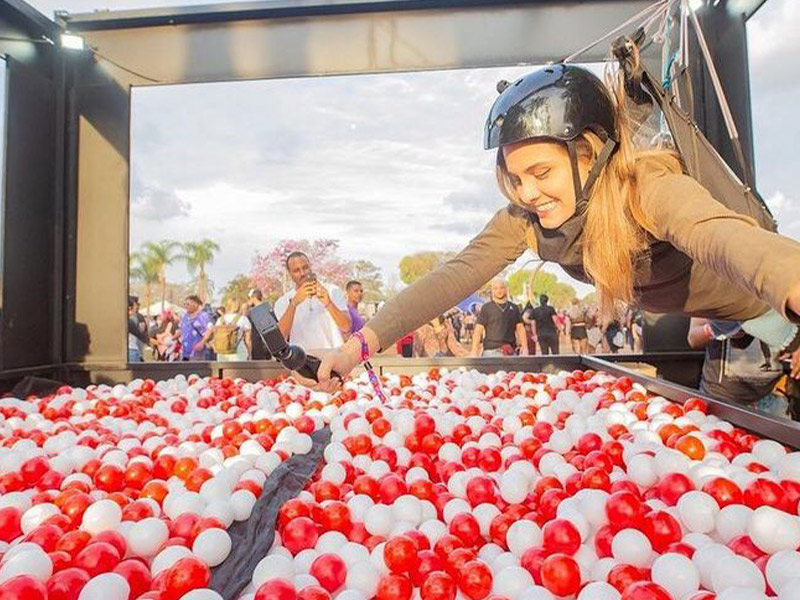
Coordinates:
354 292
196 330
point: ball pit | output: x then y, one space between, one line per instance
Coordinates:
508 486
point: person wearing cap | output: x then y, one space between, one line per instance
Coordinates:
629 221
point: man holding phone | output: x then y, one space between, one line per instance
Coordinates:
312 316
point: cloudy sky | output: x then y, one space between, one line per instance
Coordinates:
387 164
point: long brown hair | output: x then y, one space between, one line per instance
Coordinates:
615 233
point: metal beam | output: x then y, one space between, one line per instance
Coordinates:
269 9
29 19
357 43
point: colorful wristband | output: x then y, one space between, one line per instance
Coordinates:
373 377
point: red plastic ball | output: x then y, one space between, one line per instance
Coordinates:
673 486
136 574
67 584
22 587
561 537
276 589
481 490
330 571
645 590
394 587
400 554
466 528
313 592
438 586
299 534
561 575
10 524
97 558
185 575
475 580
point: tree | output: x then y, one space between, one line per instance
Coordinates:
560 294
370 277
269 269
590 299
197 255
163 254
144 269
237 289
416 266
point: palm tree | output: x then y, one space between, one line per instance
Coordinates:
143 268
197 255
163 254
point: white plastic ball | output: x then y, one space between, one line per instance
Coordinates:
27 562
146 537
599 590
242 503
522 536
773 530
168 557
706 559
102 515
732 521
271 567
736 571
698 511
676 573
511 582
363 577
782 566
631 546
212 546
108 586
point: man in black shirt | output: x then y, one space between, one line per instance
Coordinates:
499 329
546 329
258 351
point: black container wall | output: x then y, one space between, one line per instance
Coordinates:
29 317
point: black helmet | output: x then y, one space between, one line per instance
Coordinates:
558 103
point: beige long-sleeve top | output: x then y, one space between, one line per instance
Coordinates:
707 261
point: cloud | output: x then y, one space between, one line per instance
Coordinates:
158 203
787 212
481 194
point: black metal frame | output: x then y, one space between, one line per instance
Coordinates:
85 91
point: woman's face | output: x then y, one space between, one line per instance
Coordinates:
542 178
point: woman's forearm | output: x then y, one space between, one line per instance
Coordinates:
500 243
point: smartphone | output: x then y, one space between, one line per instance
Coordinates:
312 278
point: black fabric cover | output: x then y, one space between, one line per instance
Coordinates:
252 538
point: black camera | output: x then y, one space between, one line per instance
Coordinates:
293 358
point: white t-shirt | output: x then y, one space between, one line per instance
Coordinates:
313 327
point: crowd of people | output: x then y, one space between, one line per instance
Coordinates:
312 315
501 327
317 315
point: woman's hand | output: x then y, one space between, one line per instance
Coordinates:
342 360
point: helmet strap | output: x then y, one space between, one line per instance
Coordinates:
582 193
580 199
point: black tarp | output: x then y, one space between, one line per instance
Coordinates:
252 539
